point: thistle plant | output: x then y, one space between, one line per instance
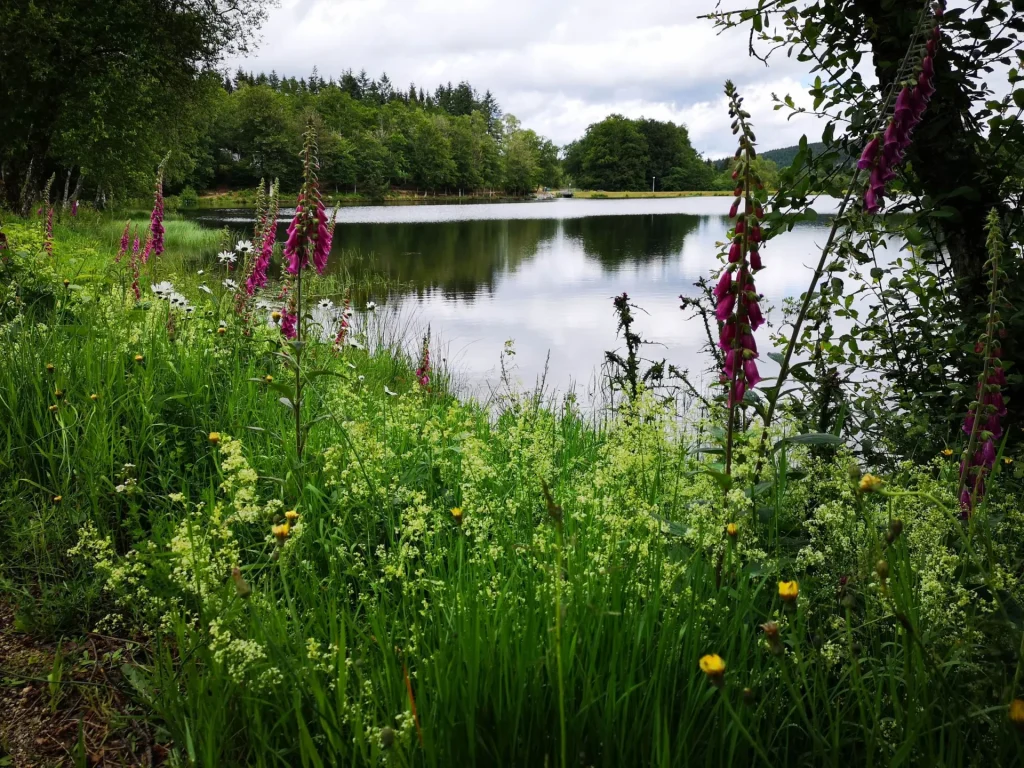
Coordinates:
737 310
983 425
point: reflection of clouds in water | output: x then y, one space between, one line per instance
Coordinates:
545 277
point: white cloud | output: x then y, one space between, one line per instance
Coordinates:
557 66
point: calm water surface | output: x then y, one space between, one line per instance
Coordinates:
543 274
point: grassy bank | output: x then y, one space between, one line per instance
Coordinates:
589 194
246 198
428 603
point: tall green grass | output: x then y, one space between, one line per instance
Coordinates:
387 629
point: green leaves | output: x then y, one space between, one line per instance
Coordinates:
810 438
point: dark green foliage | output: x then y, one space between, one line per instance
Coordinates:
619 154
106 90
910 325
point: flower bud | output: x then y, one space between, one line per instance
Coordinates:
242 587
882 569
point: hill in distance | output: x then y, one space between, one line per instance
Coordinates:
782 157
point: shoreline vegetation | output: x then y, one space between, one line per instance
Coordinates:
247 199
279 517
250 521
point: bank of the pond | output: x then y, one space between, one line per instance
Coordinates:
428 582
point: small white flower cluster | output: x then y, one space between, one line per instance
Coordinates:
165 290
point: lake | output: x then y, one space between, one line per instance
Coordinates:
543 275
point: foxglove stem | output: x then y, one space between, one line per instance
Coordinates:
156 219
737 307
983 423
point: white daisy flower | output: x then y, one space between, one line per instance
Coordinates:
201 271
226 257
370 306
230 284
223 323
162 289
362 378
355 343
243 246
205 288
325 304
389 392
190 309
347 312
177 300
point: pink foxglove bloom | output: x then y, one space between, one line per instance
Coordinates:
295 254
288 323
867 158
343 326
156 219
48 231
908 112
74 207
135 268
423 371
992 404
737 308
125 242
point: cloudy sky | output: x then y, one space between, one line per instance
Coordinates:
558 65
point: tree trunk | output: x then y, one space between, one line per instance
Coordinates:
948 155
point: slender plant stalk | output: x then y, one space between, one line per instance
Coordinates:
298 368
741 313
990 333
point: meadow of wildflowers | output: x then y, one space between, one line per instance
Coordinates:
321 556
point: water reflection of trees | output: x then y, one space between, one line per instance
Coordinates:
617 240
459 258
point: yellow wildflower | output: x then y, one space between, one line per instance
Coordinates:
58 499
1007 460
222 329
1017 713
732 530
53 409
291 516
269 379
789 590
58 393
139 358
457 515
870 483
281 532
275 316
49 367
214 438
713 666
947 452
94 396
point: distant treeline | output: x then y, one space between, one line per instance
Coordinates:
374 136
